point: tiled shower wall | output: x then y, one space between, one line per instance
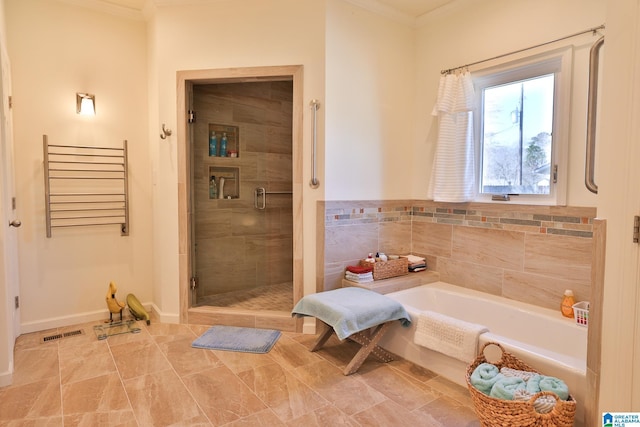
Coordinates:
523 252
239 246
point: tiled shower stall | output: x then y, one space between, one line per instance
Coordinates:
238 246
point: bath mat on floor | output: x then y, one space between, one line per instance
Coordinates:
233 338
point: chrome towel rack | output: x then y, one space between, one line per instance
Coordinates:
85 186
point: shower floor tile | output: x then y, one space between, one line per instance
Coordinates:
274 297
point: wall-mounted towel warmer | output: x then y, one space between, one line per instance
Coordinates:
85 186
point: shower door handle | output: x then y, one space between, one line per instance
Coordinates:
260 191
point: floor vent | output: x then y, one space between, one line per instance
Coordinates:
55 337
51 338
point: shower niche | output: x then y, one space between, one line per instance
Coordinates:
224 182
223 140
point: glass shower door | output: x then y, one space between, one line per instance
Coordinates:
243 253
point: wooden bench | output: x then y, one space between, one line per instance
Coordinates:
360 315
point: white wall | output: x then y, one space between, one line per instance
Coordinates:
478 30
618 202
225 34
6 318
369 105
57 50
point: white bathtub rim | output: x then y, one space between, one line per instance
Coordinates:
577 365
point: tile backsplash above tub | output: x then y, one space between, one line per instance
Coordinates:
523 252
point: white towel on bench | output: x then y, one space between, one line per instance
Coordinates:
447 335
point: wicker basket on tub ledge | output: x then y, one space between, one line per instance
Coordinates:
388 269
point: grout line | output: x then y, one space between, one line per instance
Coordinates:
113 359
202 411
60 379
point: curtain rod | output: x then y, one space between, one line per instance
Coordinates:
590 30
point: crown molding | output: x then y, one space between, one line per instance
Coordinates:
107 7
385 10
441 12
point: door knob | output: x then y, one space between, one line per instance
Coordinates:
15 223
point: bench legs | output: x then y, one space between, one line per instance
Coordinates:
368 340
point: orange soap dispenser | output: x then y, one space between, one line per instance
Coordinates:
567 304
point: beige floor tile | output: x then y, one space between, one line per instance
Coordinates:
240 362
79 362
264 418
447 412
287 396
417 372
403 390
101 394
35 364
34 340
322 417
291 354
222 396
347 393
138 358
389 413
160 399
155 378
40 399
185 359
111 419
35 422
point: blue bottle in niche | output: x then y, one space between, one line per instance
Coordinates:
223 145
213 144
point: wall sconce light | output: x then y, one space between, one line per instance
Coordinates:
86 104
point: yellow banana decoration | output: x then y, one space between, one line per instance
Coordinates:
137 309
113 304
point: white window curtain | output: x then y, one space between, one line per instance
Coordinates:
453 177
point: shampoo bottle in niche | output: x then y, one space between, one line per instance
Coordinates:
223 145
213 189
213 144
567 304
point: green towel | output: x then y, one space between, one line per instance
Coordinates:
506 386
555 385
484 377
533 384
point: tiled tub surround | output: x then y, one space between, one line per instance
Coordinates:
522 252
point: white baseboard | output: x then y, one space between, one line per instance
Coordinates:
165 317
309 326
86 317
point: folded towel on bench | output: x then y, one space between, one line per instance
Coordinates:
351 310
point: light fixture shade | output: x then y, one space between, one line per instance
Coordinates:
85 104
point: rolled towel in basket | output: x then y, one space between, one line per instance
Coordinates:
554 385
542 405
484 377
510 372
533 384
505 387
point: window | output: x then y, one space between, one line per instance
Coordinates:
522 127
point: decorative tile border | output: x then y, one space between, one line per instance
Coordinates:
521 218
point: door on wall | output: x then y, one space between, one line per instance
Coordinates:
9 290
242 194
